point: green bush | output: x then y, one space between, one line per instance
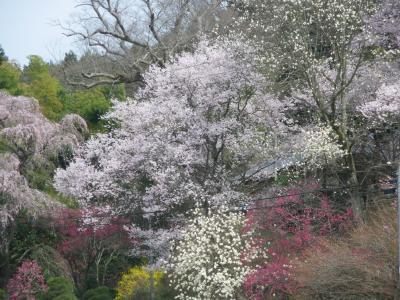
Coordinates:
39 175
99 293
29 231
66 297
3 294
60 288
89 104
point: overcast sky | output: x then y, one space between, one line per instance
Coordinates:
25 28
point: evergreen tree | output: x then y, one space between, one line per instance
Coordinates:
3 57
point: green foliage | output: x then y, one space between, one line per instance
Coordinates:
287 177
163 291
60 288
27 233
38 173
35 69
89 104
10 76
65 297
36 81
42 86
373 52
114 92
67 201
70 58
3 294
4 147
99 293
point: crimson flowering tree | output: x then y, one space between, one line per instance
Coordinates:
27 282
282 231
93 239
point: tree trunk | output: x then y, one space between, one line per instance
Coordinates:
355 191
151 286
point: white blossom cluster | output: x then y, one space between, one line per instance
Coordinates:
207 262
155 245
297 33
95 217
317 146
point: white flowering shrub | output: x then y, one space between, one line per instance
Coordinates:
207 263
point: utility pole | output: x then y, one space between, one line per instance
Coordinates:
151 270
398 232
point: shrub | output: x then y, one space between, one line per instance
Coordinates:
51 261
134 284
99 293
27 282
60 288
28 232
281 232
65 297
3 294
207 262
362 266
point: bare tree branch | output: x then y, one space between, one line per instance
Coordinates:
133 34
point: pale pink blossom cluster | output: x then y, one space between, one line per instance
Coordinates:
175 139
385 107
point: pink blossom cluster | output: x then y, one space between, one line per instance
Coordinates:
81 228
27 282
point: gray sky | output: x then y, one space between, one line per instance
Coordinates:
25 28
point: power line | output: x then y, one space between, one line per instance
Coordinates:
271 198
